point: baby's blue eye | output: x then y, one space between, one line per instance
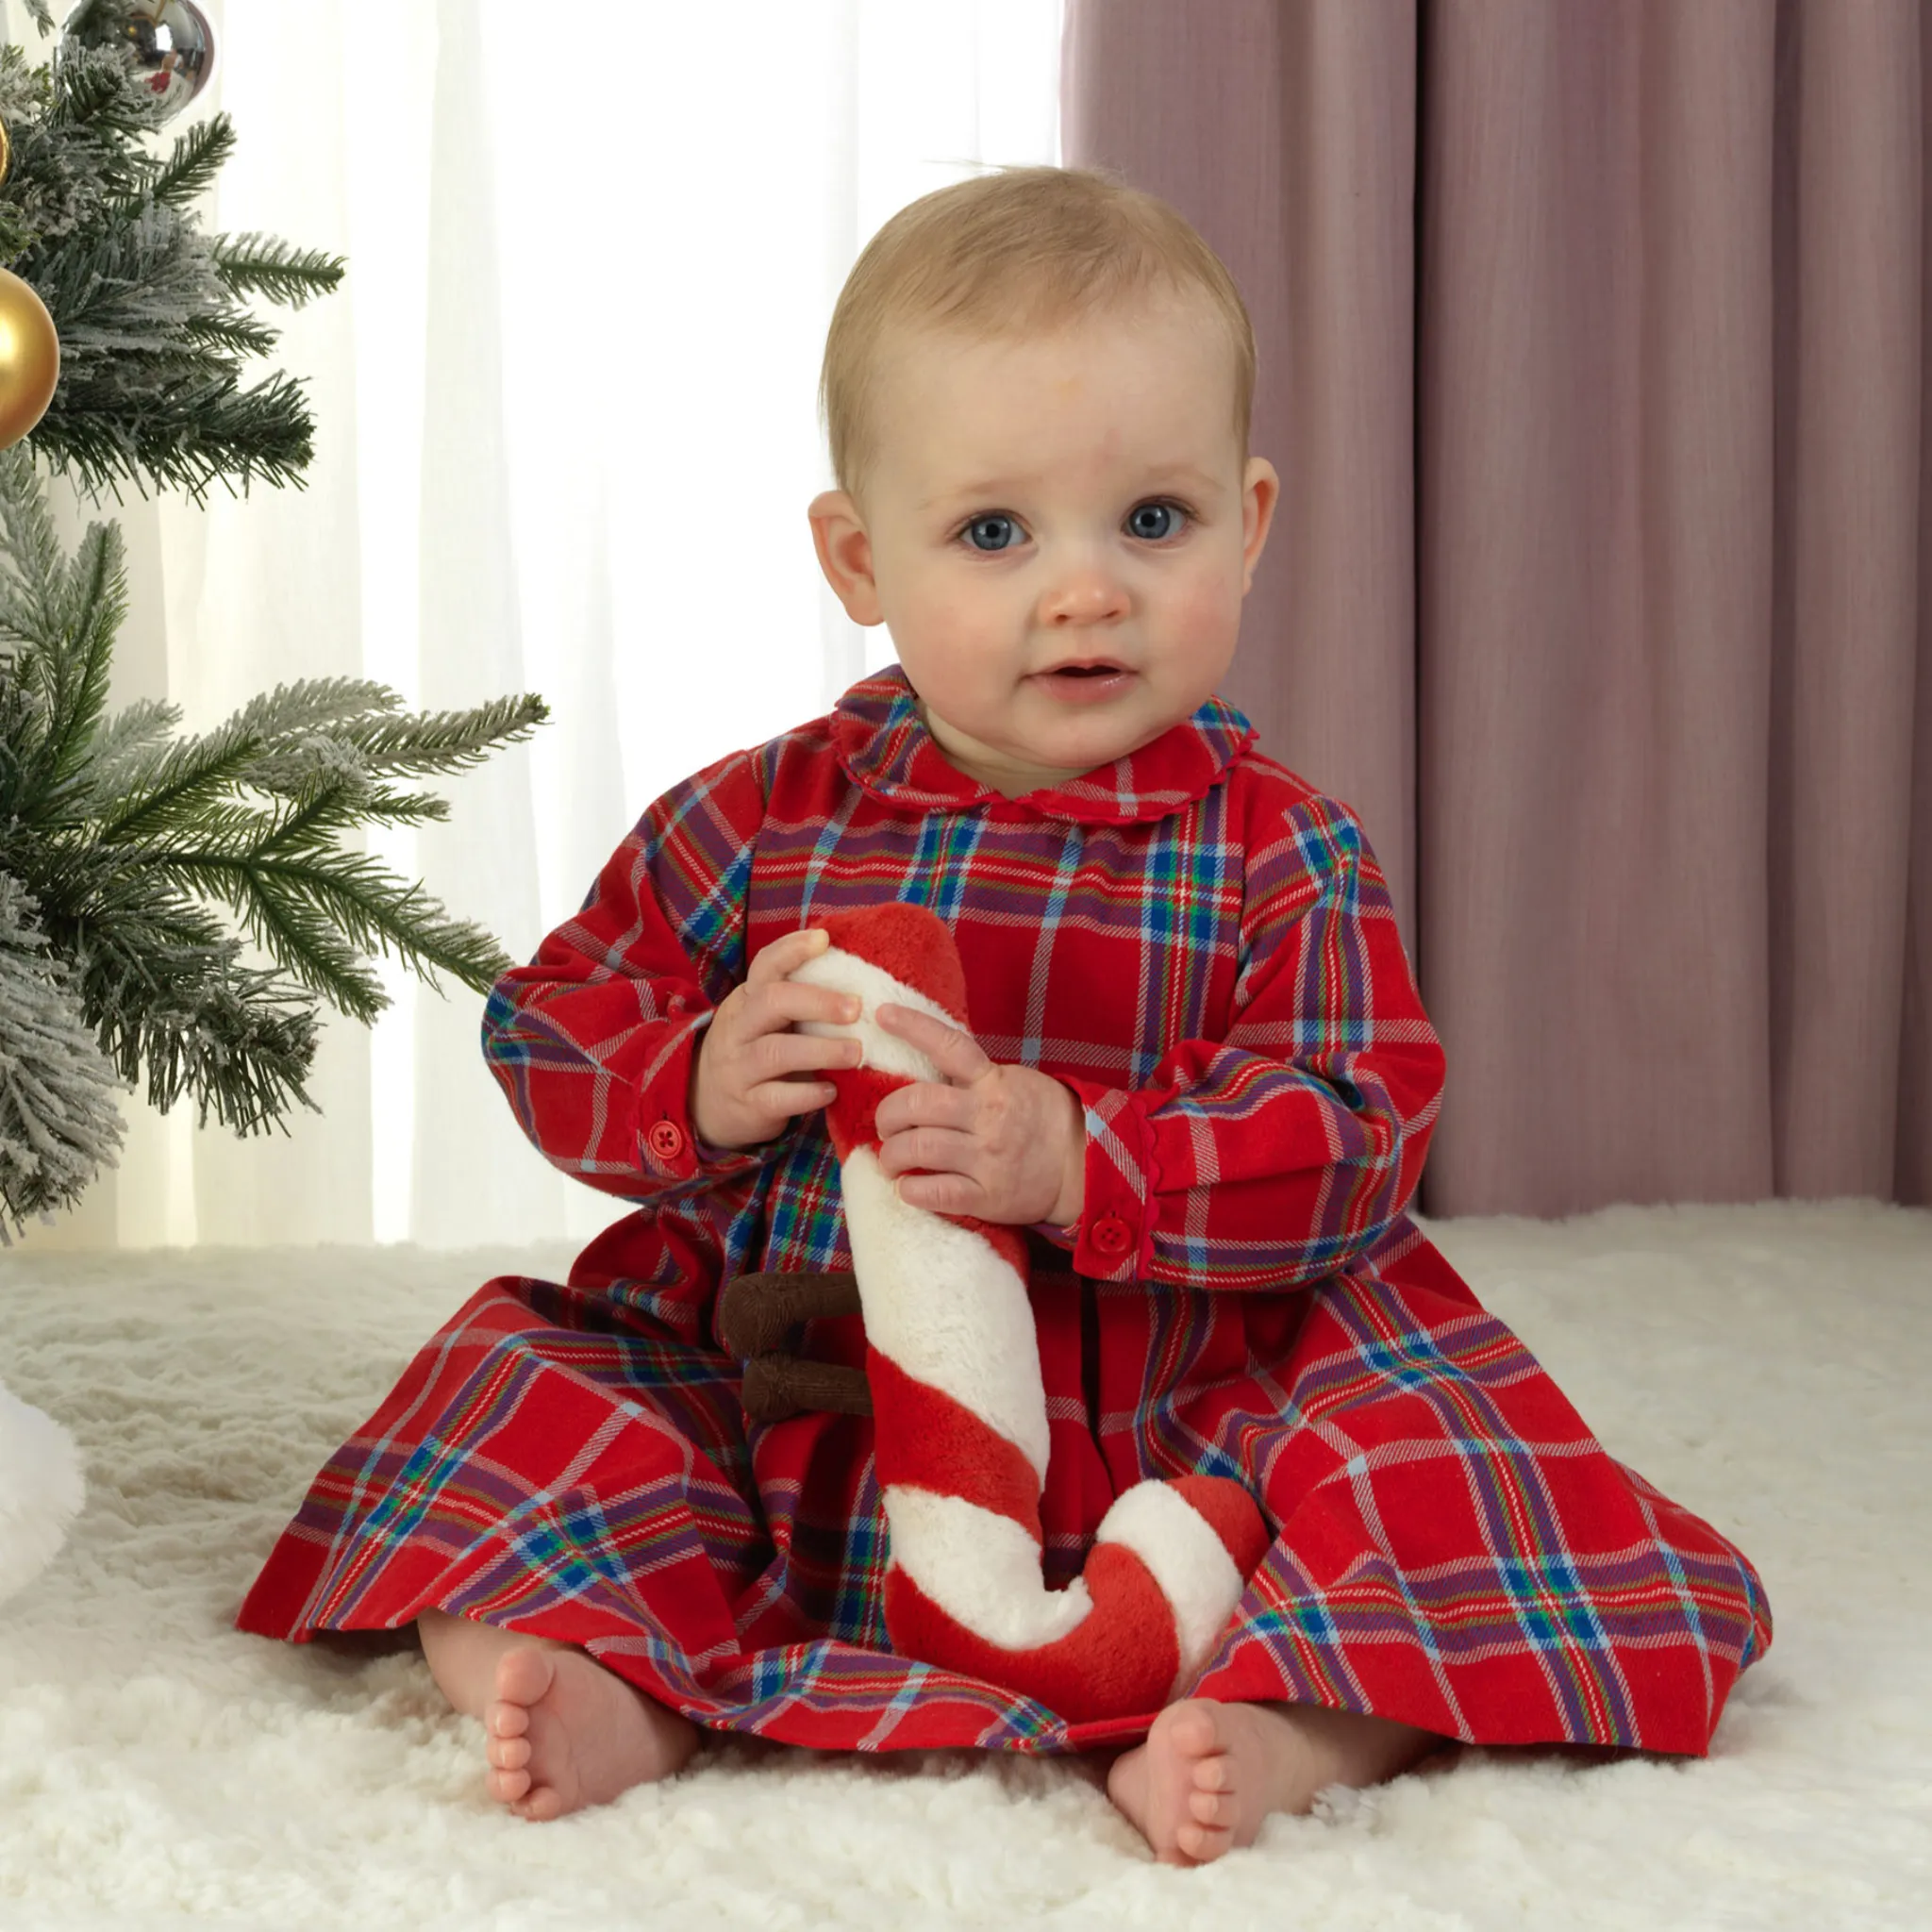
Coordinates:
996 521
1159 509
991 522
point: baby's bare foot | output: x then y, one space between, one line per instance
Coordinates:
563 1732
1204 1779
1210 1773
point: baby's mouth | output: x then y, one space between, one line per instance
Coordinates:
1086 684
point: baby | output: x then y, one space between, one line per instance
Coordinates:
1199 1076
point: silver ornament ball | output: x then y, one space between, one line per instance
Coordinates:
170 43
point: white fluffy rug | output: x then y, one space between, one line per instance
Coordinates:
1767 1366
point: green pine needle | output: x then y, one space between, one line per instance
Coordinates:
235 334
189 170
260 265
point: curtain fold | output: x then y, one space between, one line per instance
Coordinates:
1848 647
1599 330
470 641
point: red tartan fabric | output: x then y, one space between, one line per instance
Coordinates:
1202 947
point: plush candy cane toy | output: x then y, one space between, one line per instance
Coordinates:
960 1408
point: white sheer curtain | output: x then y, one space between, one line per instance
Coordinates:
566 432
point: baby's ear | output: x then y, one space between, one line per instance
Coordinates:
845 551
1261 492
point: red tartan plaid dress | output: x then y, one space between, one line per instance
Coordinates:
1202 947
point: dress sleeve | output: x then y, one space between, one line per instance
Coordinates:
594 1042
1271 1158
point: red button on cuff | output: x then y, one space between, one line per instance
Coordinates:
1112 1235
667 1140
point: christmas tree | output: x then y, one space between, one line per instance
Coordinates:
121 844
150 309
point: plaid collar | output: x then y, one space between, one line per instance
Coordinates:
884 747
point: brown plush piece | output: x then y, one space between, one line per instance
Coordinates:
758 1316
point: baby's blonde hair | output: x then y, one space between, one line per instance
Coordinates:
1006 256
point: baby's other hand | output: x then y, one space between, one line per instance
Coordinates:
1004 1144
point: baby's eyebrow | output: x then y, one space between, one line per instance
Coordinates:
996 486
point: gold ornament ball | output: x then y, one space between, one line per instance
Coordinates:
30 359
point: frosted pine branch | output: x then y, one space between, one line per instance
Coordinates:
133 840
59 1119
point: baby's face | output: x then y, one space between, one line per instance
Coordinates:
1043 503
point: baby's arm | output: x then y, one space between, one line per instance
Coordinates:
1274 1156
593 1041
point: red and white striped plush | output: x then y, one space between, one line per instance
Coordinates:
959 1410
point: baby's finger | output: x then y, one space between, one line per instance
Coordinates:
958 1054
804 1053
786 953
806 999
779 1003
794 1095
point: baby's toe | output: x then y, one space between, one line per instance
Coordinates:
507 1720
542 1806
1202 1842
525 1674
506 1786
509 1754
1219 1810
1194 1732
1213 1773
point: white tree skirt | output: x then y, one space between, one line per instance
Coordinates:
1766 1366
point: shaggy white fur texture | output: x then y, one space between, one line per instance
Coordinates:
1767 1366
42 1491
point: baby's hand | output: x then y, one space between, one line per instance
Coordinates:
751 1073
1005 1143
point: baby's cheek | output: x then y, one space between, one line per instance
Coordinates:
1211 610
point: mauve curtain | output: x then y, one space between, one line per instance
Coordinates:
1592 338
